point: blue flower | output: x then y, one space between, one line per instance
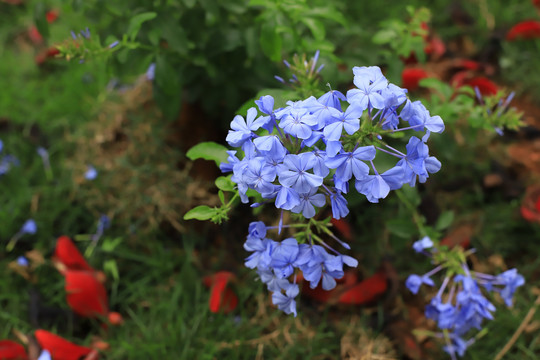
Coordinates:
369 81
349 163
261 248
422 244
151 72
511 281
339 205
22 261
242 130
273 282
260 176
91 173
307 203
414 282
283 257
271 147
286 302
287 198
45 355
348 121
231 161
296 176
443 313
333 99
29 227
298 123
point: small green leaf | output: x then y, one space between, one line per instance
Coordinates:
225 183
221 196
110 267
401 227
270 41
208 151
445 220
110 244
40 18
201 212
315 26
384 36
137 21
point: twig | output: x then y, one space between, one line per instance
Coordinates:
519 330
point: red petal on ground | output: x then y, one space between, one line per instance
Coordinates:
524 30
536 3
484 85
51 16
10 350
343 227
411 77
60 348
67 253
222 298
435 47
350 278
530 206
34 35
468 64
367 291
319 293
85 294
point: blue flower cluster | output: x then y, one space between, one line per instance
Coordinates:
305 155
464 306
276 262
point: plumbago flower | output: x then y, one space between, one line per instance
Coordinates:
460 304
305 155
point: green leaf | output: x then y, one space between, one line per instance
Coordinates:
221 197
225 183
167 89
201 212
110 267
40 18
437 85
190 3
270 41
445 220
110 244
137 21
403 228
384 36
209 151
315 26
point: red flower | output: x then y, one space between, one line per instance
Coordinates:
10 350
67 254
222 298
60 348
468 64
524 30
365 292
484 85
85 294
51 16
435 47
411 77
530 206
